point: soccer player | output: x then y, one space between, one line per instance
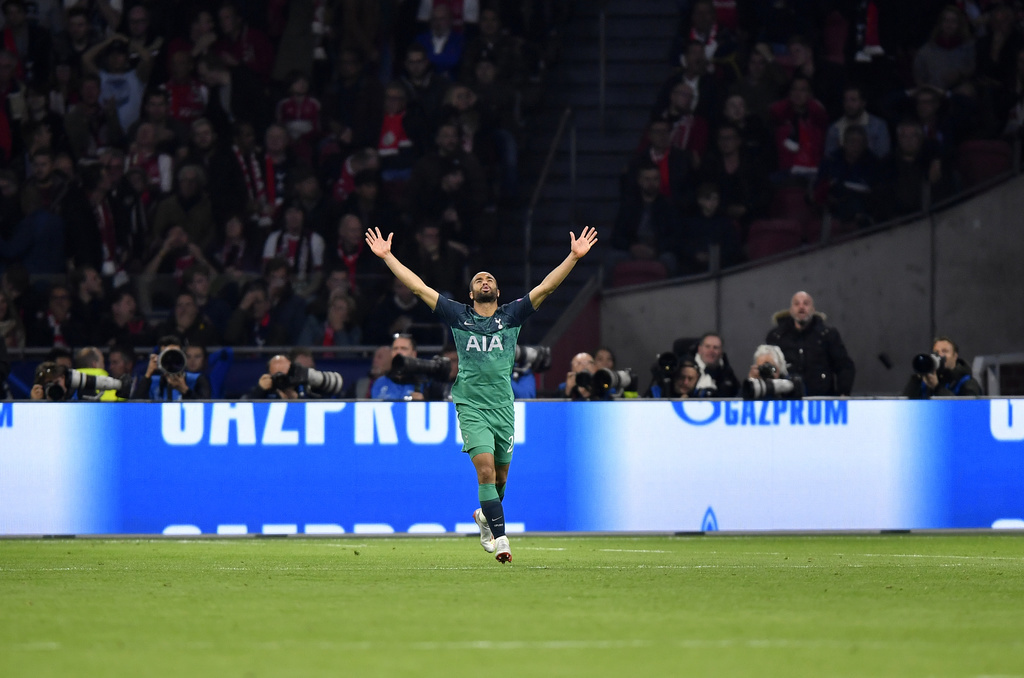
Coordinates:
485 338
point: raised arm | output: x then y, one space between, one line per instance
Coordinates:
382 248
578 247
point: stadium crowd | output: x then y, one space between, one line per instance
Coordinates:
201 174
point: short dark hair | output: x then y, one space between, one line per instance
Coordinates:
169 339
943 337
127 351
404 335
58 352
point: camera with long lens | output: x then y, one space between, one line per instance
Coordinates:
87 384
316 381
531 358
605 382
171 360
664 369
927 363
406 370
767 386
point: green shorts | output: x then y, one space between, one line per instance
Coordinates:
487 431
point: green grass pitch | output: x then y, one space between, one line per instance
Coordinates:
835 605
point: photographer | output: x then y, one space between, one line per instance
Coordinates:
293 378
167 376
941 373
717 380
578 381
681 381
769 377
58 383
409 377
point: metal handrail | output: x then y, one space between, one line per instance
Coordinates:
541 181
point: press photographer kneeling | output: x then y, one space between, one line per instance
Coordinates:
769 377
167 378
410 377
286 379
57 383
941 373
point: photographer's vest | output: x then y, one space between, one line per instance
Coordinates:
955 388
158 391
108 396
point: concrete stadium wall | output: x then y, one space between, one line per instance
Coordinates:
878 291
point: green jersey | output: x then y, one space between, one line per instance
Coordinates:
487 350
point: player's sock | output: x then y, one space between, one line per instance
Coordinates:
500 487
491 506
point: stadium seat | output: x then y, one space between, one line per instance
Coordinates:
982 159
773 236
790 202
638 272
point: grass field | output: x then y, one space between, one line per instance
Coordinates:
844 605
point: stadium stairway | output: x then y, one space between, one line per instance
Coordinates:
638 39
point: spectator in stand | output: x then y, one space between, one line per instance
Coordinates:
31 43
236 254
399 312
121 362
755 137
300 247
440 265
12 330
197 281
251 324
800 123
355 100
675 167
278 164
70 44
424 87
454 207
938 120
123 325
905 172
226 183
706 102
504 49
718 41
89 300
762 84
202 35
118 80
37 243
170 133
855 113
287 309
400 140
827 80
347 251
188 207
996 64
647 225
241 44
160 281
495 100
321 212
186 94
157 167
299 113
813 350
947 60
740 176
54 325
848 178
709 227
425 182
142 37
336 328
689 131
367 203
444 46
362 160
188 323
235 94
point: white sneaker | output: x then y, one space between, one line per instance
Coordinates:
486 538
503 552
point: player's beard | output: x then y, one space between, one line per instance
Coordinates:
486 297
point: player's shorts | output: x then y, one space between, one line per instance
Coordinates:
487 431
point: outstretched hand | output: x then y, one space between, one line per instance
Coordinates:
378 245
580 246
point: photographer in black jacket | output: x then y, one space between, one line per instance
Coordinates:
813 350
941 373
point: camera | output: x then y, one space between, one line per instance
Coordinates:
171 360
405 370
48 376
322 383
604 381
771 388
927 363
531 358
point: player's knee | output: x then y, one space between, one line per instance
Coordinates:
485 475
